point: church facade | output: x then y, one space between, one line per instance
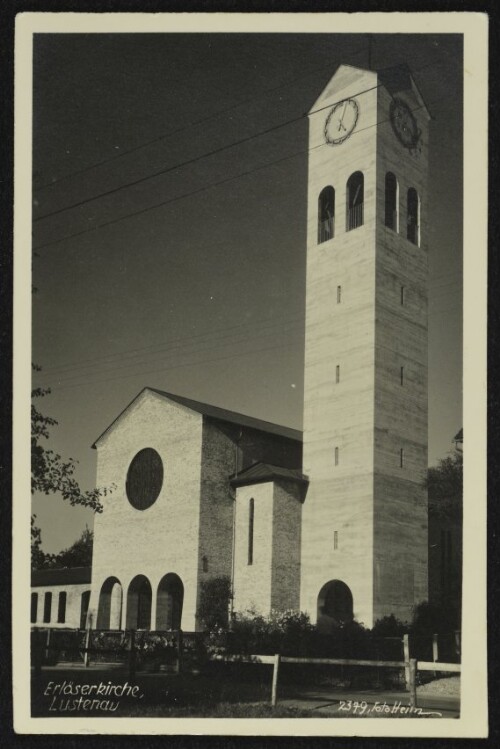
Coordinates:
332 521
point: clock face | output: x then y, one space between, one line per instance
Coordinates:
404 123
341 121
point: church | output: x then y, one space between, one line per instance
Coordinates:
331 521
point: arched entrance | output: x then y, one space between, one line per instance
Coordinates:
169 602
109 612
335 604
139 599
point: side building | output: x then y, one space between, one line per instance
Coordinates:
60 597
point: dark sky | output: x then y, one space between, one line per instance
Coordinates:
204 294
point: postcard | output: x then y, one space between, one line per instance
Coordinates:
250 283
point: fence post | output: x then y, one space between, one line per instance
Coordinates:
406 658
47 643
86 657
179 652
435 651
413 682
276 668
131 656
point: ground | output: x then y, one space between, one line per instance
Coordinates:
79 692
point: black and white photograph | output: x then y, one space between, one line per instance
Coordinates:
243 245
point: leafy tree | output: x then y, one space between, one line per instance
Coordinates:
50 474
37 555
79 554
445 491
445 487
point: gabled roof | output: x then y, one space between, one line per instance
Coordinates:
395 79
214 412
399 78
261 472
61 576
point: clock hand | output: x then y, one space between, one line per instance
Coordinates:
341 121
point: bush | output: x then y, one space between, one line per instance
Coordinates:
215 595
389 626
429 619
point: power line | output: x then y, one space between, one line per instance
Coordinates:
180 366
180 339
68 370
189 125
206 187
214 152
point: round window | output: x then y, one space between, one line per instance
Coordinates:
144 479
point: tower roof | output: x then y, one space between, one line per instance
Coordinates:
349 81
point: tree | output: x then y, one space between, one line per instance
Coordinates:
445 491
37 555
445 487
79 554
50 474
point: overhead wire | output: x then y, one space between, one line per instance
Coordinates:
186 364
195 159
188 126
194 192
233 339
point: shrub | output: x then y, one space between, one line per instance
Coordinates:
389 626
215 595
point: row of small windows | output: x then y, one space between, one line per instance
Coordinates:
61 607
355 208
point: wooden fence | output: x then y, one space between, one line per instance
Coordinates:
411 667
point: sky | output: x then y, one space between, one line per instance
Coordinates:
169 224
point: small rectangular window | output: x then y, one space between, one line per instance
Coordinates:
34 607
402 295
47 608
84 607
339 294
250 530
61 609
335 539
401 458
336 456
337 373
402 375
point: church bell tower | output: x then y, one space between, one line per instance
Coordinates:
364 528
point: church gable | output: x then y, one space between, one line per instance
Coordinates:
146 404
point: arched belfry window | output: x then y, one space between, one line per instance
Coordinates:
391 201
326 214
355 201
413 216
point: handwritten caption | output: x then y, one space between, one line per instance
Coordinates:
397 708
68 697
